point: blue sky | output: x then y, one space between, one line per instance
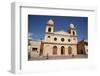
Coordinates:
37 24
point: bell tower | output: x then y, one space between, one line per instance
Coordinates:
49 30
72 30
50 26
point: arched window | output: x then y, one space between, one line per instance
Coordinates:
49 29
69 50
73 33
62 50
54 50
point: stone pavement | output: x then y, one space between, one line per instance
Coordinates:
58 57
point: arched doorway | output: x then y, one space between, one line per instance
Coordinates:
54 50
62 50
69 50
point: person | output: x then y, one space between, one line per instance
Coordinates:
29 56
47 57
72 55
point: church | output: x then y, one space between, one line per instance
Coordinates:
59 43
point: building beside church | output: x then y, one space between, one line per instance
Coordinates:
34 48
82 47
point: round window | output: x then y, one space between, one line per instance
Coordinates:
74 39
62 39
69 40
55 39
48 36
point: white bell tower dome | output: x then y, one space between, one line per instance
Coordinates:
72 26
50 22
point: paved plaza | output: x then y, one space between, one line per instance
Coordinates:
58 57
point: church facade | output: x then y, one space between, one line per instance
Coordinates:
59 43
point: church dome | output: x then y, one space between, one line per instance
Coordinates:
72 26
50 22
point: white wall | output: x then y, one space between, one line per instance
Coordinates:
5 32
